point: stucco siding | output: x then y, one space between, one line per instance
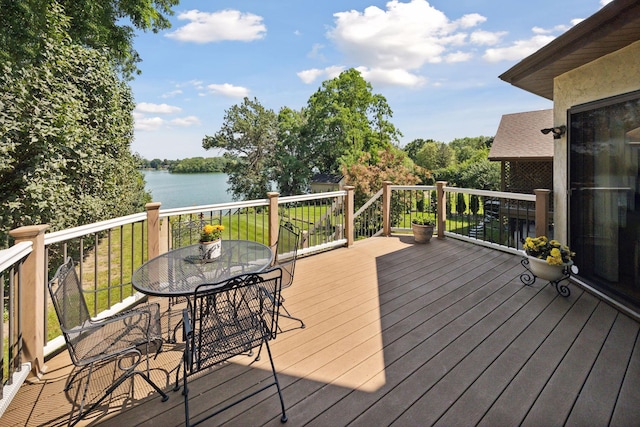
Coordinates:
613 74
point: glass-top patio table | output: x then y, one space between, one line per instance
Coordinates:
180 271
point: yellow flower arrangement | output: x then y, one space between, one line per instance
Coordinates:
211 232
551 251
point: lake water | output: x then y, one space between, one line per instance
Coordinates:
176 190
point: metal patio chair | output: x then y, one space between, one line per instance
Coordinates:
94 342
286 253
230 319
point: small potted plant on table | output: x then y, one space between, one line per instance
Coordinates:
210 241
422 229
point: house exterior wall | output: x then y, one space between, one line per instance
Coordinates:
614 74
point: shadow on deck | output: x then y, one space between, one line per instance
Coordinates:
436 334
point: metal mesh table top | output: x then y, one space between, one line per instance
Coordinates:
180 271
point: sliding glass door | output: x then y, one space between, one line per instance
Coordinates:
604 195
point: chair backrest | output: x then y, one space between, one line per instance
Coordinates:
287 251
233 317
288 242
68 301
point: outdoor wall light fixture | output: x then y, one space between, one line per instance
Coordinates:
557 131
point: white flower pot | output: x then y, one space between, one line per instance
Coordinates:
542 269
211 250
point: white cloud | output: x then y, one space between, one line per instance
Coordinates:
205 27
172 93
186 121
458 57
393 44
518 50
405 35
397 77
470 20
315 51
309 76
229 90
486 38
148 123
147 107
605 2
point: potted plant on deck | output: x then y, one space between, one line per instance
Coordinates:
422 229
210 241
547 258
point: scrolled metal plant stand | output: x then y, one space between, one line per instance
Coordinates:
529 278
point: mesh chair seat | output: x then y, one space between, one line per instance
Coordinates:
95 340
92 342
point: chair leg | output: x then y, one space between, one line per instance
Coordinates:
129 373
288 315
284 418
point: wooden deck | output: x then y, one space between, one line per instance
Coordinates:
436 334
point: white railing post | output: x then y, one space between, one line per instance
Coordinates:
386 208
441 219
32 301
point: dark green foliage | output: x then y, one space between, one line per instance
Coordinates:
248 135
474 204
106 25
461 205
199 165
65 132
346 120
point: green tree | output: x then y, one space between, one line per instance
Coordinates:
66 128
414 147
106 25
435 155
461 204
345 120
292 158
199 165
471 148
483 175
248 135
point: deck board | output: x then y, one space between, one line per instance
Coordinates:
397 333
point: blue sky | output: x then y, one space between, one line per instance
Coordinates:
436 62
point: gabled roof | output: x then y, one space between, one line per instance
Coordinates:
326 178
519 137
613 27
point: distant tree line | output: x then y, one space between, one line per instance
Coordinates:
188 165
462 162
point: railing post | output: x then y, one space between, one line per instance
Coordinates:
349 215
274 220
542 211
153 229
441 218
386 208
32 307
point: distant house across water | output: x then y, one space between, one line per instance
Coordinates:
324 182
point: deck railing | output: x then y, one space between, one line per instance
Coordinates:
489 218
108 252
14 369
